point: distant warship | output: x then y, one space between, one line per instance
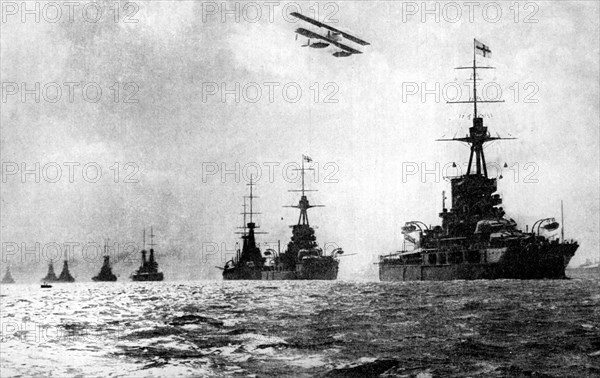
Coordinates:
588 268
475 240
65 276
7 279
148 271
589 264
106 273
50 276
303 259
248 262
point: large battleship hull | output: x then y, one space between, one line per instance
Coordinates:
516 262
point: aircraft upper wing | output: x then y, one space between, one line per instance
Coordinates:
322 25
469 139
309 34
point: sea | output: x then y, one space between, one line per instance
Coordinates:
502 328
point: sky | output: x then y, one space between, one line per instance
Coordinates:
178 103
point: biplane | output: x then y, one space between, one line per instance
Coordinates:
334 37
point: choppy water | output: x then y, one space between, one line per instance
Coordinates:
302 329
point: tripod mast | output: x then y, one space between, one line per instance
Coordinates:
478 133
303 204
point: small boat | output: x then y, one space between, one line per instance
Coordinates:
46 285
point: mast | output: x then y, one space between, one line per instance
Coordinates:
303 204
248 228
562 223
244 224
478 134
151 258
474 81
302 170
144 247
251 213
151 237
244 236
251 197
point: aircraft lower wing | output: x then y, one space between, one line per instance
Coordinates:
322 25
469 139
309 34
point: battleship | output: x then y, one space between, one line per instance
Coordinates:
106 274
248 262
303 259
65 275
476 240
7 279
148 271
589 269
50 276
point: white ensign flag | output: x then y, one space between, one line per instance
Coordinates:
483 49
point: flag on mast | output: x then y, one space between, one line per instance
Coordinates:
307 158
483 49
